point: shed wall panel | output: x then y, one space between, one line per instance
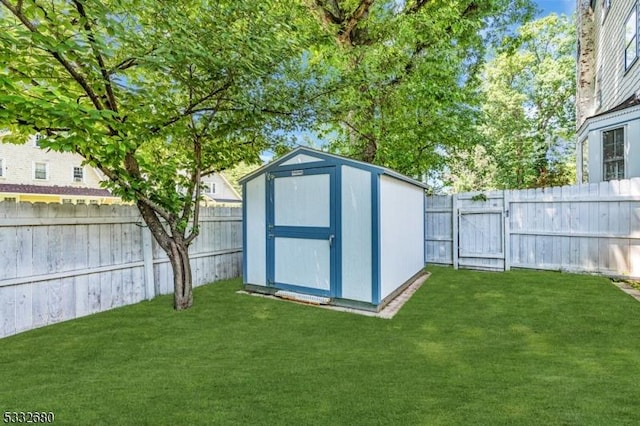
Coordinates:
401 233
256 231
356 234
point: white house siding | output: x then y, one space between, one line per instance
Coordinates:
613 85
613 82
401 232
18 163
223 190
356 234
630 120
256 249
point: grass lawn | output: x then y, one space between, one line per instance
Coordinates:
517 347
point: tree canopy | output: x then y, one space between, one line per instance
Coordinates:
404 75
154 94
528 112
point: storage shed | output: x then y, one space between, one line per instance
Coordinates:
331 229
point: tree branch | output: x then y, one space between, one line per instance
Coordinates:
81 80
191 108
355 18
415 8
352 127
195 184
111 99
328 17
422 46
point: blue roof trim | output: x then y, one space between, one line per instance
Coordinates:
332 158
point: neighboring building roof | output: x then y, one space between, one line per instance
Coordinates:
54 190
223 200
233 190
631 101
326 156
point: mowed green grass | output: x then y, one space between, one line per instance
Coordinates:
518 347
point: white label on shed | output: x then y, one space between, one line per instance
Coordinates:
297 172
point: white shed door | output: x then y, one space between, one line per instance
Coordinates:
301 230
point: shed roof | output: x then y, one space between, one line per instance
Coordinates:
337 158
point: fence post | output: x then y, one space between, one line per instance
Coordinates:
506 200
147 256
454 227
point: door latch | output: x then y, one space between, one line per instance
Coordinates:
331 240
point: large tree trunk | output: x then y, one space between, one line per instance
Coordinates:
182 278
177 248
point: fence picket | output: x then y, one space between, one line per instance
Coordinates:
59 262
582 228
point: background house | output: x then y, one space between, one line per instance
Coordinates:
29 173
218 191
608 90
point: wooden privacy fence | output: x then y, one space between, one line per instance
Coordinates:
60 261
584 228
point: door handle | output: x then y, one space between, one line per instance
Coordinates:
331 240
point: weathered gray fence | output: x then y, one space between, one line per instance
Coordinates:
584 228
59 262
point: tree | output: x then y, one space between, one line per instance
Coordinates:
529 106
156 95
404 75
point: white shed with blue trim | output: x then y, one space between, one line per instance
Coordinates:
323 225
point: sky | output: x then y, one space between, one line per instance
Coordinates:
556 6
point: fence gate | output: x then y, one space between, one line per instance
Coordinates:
481 236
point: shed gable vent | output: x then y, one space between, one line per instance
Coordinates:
301 158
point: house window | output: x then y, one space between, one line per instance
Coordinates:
81 201
630 38
613 154
39 138
10 199
1 167
78 174
93 202
67 201
209 188
40 171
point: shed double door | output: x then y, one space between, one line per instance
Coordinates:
301 230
